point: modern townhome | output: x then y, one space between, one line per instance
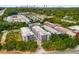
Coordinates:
60 28
50 29
17 18
27 34
40 33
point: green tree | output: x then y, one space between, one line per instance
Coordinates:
71 42
21 46
47 45
60 45
31 45
10 45
0 46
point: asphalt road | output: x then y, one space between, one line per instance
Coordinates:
65 52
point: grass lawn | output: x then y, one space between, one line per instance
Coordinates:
14 35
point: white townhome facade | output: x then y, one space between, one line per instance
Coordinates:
27 34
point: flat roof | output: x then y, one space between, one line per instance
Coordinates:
50 29
76 27
26 31
40 30
21 18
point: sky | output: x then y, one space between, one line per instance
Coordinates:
39 2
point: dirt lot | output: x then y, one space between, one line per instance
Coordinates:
14 52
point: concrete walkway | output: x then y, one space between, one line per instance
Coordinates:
4 37
2 12
39 50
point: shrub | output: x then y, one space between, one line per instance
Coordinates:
47 45
60 45
0 46
77 40
1 35
11 26
10 45
60 42
70 42
20 45
31 45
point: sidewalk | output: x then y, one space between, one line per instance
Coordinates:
4 37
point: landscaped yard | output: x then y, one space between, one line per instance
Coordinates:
14 35
60 42
14 42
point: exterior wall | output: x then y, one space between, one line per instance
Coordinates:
27 34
